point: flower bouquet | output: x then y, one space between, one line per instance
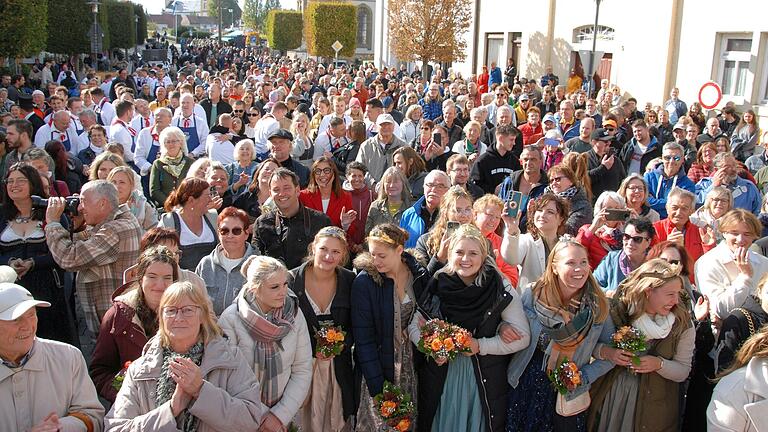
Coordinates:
630 339
330 341
117 382
395 407
443 341
566 376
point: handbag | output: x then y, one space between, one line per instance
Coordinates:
568 408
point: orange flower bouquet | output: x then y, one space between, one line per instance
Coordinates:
395 407
630 339
330 341
117 382
566 376
443 341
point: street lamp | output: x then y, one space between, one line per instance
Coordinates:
95 42
231 18
594 47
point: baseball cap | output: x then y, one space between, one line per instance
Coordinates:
15 300
549 117
601 134
704 138
281 133
679 125
384 118
611 123
523 97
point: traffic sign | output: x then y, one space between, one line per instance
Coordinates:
337 46
710 95
253 40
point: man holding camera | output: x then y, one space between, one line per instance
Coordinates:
101 252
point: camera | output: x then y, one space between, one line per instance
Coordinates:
70 206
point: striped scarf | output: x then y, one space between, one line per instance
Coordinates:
267 330
566 328
166 385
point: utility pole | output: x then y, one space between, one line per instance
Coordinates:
594 47
221 12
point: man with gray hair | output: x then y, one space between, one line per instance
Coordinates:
104 245
420 217
745 194
663 179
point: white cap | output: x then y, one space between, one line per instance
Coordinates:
384 118
15 301
38 92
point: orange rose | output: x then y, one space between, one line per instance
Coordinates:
339 337
462 338
436 345
403 425
448 343
388 408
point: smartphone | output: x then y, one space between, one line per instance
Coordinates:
214 192
553 142
611 151
514 203
437 138
451 228
613 215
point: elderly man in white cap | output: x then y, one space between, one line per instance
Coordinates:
44 385
377 151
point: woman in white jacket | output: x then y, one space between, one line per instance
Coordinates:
266 324
529 251
739 401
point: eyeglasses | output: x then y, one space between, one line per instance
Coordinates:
466 211
438 186
635 239
326 171
235 231
253 114
668 158
186 311
719 200
608 129
672 261
20 181
500 95
556 179
636 188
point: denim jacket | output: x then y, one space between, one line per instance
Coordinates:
599 333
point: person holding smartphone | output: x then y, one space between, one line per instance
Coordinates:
605 170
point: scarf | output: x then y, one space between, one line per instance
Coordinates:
467 305
267 330
610 238
166 385
656 327
624 264
175 165
566 194
565 329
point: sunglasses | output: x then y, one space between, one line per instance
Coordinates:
668 158
635 239
238 111
235 231
253 114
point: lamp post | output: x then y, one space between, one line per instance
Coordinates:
95 42
231 18
594 47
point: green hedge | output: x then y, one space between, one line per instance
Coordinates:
122 28
284 29
24 27
327 22
72 18
141 37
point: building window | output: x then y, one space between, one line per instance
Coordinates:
586 33
364 26
734 64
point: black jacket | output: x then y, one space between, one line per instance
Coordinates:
736 329
491 168
342 317
221 108
601 178
288 241
628 151
490 370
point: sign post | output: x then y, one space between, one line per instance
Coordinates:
710 95
337 46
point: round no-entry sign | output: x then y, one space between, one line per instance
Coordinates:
710 95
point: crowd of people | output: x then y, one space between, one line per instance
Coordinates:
216 222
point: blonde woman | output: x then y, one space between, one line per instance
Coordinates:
626 398
188 378
241 170
719 201
129 193
171 167
103 165
394 197
266 323
634 190
303 149
471 146
455 208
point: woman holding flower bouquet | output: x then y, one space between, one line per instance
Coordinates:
468 392
383 304
132 319
655 329
265 322
455 208
324 289
568 316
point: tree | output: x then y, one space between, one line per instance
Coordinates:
327 22
227 19
24 27
141 36
122 26
255 13
429 30
72 18
283 28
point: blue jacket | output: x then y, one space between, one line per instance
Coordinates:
494 77
745 194
659 187
412 222
608 273
599 333
373 319
432 110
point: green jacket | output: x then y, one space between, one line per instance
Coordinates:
162 182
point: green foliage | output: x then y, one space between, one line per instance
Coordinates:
255 13
283 29
24 27
106 40
327 22
186 31
226 17
138 10
72 18
122 27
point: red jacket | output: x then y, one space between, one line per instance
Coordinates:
335 205
507 270
692 240
531 135
121 339
597 247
